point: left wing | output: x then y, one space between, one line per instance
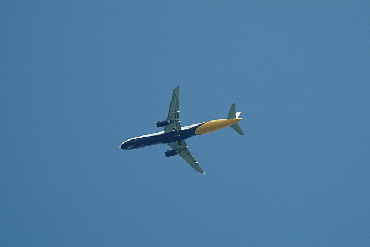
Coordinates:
173 116
182 148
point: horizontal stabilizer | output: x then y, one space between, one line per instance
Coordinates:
237 128
232 112
232 115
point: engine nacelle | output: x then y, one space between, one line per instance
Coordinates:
169 153
162 123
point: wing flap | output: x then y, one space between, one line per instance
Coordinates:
173 116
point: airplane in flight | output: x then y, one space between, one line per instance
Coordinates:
174 135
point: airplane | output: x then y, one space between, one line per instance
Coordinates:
174 135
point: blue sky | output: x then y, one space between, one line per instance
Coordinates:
79 77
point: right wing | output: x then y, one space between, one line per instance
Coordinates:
173 116
182 148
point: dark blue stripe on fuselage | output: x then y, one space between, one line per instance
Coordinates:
173 136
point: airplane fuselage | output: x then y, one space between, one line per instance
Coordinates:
177 135
161 137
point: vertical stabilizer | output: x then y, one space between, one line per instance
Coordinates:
232 115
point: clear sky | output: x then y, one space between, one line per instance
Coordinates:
80 77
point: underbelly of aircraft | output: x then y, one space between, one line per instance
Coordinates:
173 136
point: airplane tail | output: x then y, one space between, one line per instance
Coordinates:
232 115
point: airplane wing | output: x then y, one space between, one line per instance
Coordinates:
184 152
174 112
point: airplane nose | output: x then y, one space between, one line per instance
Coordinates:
120 146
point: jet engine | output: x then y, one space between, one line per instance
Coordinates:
169 153
162 123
